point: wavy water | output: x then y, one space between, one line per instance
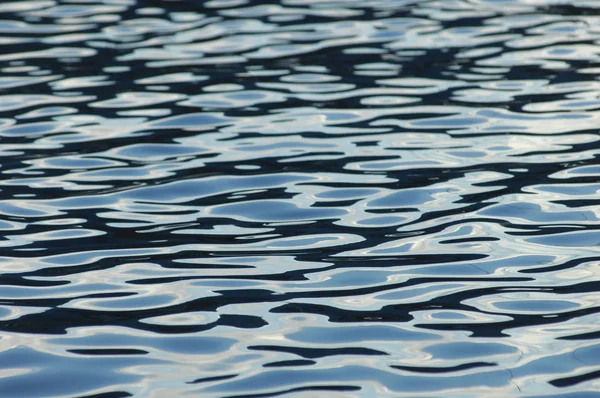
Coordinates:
236 198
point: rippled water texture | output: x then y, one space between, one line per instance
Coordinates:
309 198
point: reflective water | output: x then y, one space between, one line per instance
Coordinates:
362 198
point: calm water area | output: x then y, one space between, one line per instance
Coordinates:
299 198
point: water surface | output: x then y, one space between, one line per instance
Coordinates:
300 198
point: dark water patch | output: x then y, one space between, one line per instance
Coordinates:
310 390
210 379
458 368
297 362
571 381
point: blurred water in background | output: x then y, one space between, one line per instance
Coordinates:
234 198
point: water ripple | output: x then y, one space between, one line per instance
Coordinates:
354 198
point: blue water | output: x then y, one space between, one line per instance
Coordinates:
303 198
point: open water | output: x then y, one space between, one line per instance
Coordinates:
304 198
